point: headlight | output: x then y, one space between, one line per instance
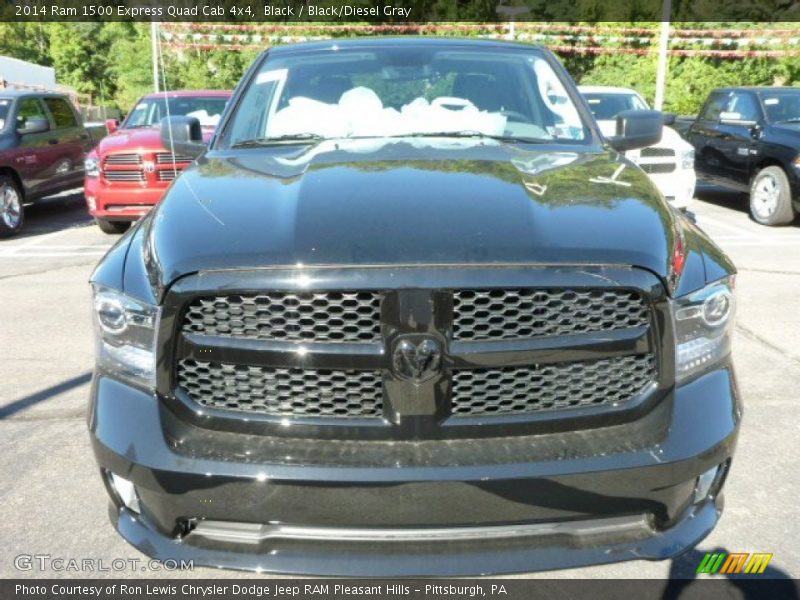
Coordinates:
91 166
126 336
703 328
687 158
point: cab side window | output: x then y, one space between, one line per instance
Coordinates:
715 105
62 113
745 106
29 108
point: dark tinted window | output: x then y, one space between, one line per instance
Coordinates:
782 105
149 111
605 107
716 104
745 106
62 113
29 108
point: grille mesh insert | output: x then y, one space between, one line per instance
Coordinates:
313 317
282 392
550 387
656 168
504 314
648 152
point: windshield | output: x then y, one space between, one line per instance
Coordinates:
149 111
5 105
783 105
606 106
403 91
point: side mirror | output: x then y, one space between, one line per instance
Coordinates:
182 134
637 129
34 125
112 125
669 118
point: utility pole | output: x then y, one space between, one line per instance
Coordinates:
663 55
154 51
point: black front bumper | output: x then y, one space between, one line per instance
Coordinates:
439 507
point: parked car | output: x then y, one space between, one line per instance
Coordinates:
42 147
129 171
748 139
670 163
410 313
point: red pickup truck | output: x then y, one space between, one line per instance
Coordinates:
129 170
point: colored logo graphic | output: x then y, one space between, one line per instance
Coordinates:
735 562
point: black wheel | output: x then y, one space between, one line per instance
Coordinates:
12 213
771 197
107 226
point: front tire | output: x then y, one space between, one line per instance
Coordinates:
12 212
111 227
771 197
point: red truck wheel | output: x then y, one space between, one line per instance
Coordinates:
107 226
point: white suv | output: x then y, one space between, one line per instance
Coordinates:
670 163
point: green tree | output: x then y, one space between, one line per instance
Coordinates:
79 54
26 41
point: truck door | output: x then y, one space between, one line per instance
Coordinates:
704 136
738 126
72 139
33 159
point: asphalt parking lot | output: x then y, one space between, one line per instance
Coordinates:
53 502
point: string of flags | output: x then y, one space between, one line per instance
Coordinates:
563 39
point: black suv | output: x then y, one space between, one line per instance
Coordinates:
410 314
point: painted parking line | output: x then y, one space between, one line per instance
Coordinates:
12 246
54 250
50 254
710 223
759 243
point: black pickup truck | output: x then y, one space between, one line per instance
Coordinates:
43 144
748 139
410 313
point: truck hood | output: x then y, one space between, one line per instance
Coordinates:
422 201
145 139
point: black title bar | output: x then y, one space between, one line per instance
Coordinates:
397 11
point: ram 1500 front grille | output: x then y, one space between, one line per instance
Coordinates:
530 313
550 387
413 349
283 392
317 317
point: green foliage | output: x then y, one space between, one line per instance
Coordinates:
26 41
690 79
130 63
78 52
113 63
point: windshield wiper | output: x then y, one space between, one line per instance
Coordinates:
293 138
472 134
795 120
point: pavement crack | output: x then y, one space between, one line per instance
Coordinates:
750 334
78 415
47 270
